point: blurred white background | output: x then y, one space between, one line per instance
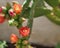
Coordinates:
44 31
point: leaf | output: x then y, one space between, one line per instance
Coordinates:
58 45
39 4
40 12
54 18
26 13
25 8
8 6
57 12
26 4
53 3
3 44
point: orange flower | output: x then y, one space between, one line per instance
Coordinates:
17 8
13 38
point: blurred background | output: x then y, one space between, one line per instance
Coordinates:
44 31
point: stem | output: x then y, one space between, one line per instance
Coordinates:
30 20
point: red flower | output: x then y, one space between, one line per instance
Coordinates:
13 38
17 8
24 31
2 19
0 9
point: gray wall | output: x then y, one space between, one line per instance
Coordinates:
44 31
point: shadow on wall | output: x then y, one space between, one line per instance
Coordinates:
44 32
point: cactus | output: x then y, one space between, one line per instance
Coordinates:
29 10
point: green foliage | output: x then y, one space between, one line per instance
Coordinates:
53 3
40 12
25 6
21 43
3 44
57 12
8 6
37 9
53 18
58 45
26 9
39 3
